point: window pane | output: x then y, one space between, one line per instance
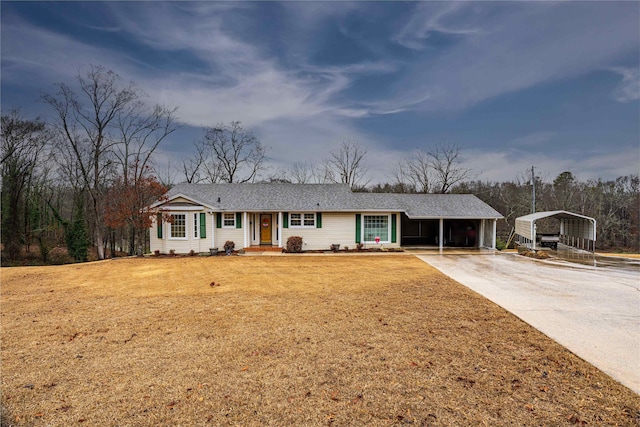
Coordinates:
309 220
229 220
376 225
179 225
195 225
296 220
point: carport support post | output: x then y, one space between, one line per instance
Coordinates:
493 239
441 233
280 229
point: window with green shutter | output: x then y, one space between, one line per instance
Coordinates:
358 228
203 225
319 220
285 219
218 220
238 219
159 223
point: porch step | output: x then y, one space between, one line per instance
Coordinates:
263 249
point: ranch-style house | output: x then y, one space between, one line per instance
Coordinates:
204 216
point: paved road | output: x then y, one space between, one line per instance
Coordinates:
592 311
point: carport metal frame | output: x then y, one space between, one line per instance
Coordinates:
572 228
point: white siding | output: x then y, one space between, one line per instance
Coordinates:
234 234
337 228
192 243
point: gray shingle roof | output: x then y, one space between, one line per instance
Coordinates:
330 198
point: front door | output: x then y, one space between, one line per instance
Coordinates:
265 229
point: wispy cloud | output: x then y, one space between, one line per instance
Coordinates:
508 47
629 88
430 18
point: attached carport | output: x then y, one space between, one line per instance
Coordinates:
576 230
437 220
457 232
454 220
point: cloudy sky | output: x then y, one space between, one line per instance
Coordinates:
514 84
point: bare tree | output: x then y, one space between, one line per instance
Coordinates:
87 124
23 142
140 132
302 173
414 174
309 173
446 163
346 165
227 153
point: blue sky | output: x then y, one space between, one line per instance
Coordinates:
514 84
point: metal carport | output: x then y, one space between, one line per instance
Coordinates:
575 230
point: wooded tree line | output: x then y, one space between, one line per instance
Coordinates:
84 179
615 204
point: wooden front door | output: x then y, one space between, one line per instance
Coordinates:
265 229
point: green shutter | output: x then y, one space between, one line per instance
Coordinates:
218 220
285 219
319 220
393 228
159 223
203 225
238 219
358 228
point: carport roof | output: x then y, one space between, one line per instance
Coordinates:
558 214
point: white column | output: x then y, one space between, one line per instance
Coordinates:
481 233
441 233
280 229
245 227
213 229
533 235
493 239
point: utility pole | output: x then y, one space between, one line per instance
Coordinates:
533 190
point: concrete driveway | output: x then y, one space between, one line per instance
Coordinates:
592 311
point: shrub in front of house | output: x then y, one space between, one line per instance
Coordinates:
229 246
294 244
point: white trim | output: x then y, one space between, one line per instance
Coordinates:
223 219
178 196
302 218
382 241
181 208
186 228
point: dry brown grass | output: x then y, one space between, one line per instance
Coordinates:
326 340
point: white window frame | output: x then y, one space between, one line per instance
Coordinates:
303 217
232 217
186 226
383 239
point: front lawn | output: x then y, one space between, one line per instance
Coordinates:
309 340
